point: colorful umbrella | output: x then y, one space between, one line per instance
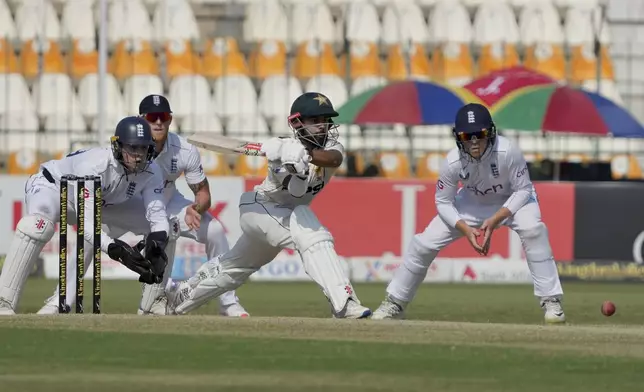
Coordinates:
492 87
408 102
553 108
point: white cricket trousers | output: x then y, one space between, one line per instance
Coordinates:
424 248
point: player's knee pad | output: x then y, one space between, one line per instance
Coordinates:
418 256
536 243
306 229
32 233
212 280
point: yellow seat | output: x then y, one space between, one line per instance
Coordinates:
249 166
497 56
452 63
419 67
25 161
214 164
364 60
428 166
83 59
181 59
394 165
625 166
548 59
315 58
52 58
268 59
583 64
8 58
223 57
133 57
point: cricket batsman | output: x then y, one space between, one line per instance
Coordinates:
188 219
496 191
276 215
126 171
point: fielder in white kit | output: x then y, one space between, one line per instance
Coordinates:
126 171
496 191
189 219
276 215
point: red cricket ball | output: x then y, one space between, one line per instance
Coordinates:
608 308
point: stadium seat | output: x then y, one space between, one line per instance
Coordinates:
582 24
249 166
37 19
547 58
7 27
52 58
394 165
332 86
452 64
252 128
83 59
138 86
583 64
190 94
450 22
75 21
88 97
133 57
223 57
315 58
268 58
495 23
24 161
399 58
174 20
404 23
280 127
497 56
214 164
276 95
431 138
428 166
8 58
180 59
15 96
111 119
539 23
53 93
625 166
266 20
364 83
205 122
364 60
362 22
311 21
235 95
128 20
67 121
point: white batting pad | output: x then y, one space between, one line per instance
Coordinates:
321 262
32 233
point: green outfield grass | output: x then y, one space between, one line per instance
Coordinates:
458 338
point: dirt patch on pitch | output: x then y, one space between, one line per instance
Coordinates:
592 340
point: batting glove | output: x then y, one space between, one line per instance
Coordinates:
295 158
272 148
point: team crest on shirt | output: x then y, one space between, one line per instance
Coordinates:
495 170
173 165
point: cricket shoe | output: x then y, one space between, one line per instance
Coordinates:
176 293
158 308
234 310
554 313
388 309
353 310
48 309
5 308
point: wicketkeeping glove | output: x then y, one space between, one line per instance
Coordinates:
133 260
155 244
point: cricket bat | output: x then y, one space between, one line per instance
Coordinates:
225 144
228 145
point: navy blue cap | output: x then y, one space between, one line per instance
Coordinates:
154 104
473 117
